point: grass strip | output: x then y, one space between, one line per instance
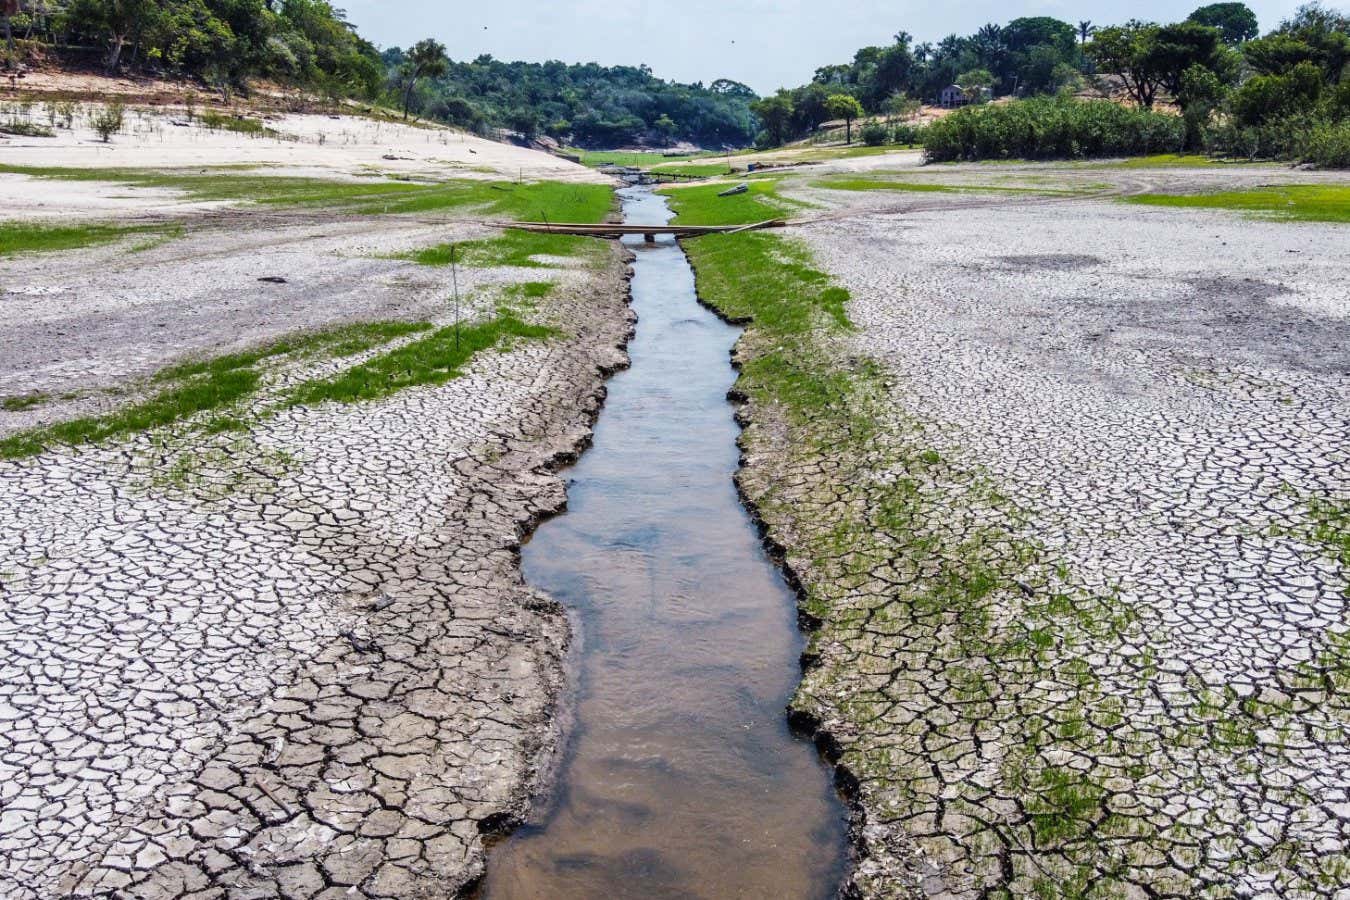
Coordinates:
200 386
701 205
25 237
876 184
513 248
552 200
434 359
1298 202
173 405
344 340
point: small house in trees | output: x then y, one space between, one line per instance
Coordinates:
953 96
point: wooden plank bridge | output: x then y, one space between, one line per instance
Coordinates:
648 232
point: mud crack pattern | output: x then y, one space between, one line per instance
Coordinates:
1081 633
312 670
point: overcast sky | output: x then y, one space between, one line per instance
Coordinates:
765 43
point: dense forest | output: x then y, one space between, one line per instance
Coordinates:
1282 95
589 105
223 43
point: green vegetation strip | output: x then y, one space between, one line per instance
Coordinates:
701 205
633 158
875 184
513 248
434 359
24 237
1305 202
556 201
202 386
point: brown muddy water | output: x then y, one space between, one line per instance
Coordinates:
680 777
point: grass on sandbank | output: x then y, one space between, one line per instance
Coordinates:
22 402
552 200
876 184
701 205
435 359
633 158
706 170
26 237
513 248
169 406
201 386
1302 202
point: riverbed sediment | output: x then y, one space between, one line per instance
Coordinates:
1077 631
297 658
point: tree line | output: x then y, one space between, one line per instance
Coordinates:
588 105
309 44
1236 91
224 43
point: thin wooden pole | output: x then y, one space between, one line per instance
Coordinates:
454 278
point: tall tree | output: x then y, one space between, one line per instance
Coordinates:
1235 21
842 106
426 59
1126 51
1085 30
775 113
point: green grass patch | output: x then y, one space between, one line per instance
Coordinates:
551 200
201 386
25 129
761 277
701 205
635 158
199 395
24 237
928 187
434 359
707 170
345 340
238 124
513 248
23 401
1165 161
1302 202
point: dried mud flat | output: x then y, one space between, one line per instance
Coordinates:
297 660
1084 628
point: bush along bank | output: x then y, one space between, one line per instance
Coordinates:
1052 128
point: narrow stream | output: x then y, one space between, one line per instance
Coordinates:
680 777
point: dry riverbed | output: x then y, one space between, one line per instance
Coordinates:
1071 521
285 651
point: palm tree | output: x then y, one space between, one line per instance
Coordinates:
426 59
1085 30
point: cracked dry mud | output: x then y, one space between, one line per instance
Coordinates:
299 662
1078 635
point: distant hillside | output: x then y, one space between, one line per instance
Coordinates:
589 105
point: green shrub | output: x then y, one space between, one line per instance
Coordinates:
907 133
1327 146
874 134
1052 128
1264 98
108 121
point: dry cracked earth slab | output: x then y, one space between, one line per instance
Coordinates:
1085 626
297 660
